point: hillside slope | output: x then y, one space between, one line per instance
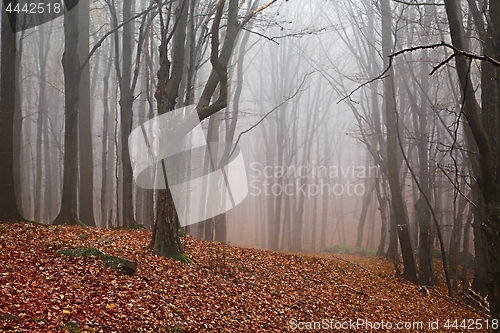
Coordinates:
227 289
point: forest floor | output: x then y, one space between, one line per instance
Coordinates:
225 289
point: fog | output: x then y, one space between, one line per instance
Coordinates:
344 143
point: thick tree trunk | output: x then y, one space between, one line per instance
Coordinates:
492 219
166 240
492 223
480 281
18 129
86 158
8 204
485 138
71 65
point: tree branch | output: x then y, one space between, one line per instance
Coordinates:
107 34
419 3
267 114
456 52
456 187
255 12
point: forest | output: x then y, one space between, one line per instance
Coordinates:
249 165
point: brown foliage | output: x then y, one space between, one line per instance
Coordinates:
227 289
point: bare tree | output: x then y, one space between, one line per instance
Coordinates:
165 239
485 135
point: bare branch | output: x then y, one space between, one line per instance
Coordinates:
261 8
456 52
261 35
255 12
107 34
456 187
271 111
419 3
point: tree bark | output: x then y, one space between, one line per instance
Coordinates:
398 205
367 199
86 158
43 49
8 205
486 141
165 239
71 65
126 102
170 76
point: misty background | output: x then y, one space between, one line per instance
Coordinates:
303 95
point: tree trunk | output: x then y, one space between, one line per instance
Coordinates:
480 281
106 152
71 65
86 188
50 194
425 249
455 240
401 218
165 239
126 102
382 201
286 240
486 140
18 129
362 217
8 205
465 255
272 224
43 49
221 228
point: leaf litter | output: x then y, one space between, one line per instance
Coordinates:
226 289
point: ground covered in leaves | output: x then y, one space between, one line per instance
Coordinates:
226 289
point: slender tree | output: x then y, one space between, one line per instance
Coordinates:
397 200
